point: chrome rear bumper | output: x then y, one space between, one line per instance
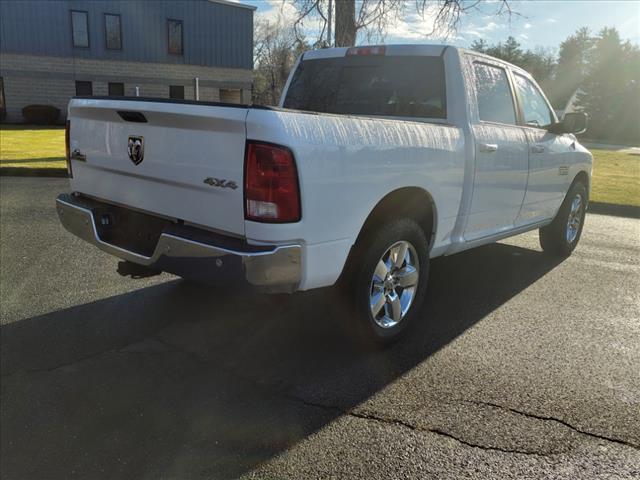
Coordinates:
272 268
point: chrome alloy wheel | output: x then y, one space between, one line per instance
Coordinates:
394 283
575 217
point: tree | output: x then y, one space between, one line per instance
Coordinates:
345 23
479 46
509 51
610 91
572 66
371 19
275 51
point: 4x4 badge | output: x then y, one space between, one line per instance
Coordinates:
220 182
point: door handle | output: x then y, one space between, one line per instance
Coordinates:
537 149
488 147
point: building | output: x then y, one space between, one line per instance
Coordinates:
51 50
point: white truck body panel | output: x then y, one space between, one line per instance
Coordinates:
350 164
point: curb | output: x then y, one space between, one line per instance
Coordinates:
628 211
33 172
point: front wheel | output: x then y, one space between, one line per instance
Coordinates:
390 279
561 236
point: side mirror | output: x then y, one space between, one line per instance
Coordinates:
573 122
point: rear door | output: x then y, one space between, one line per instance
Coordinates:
549 154
179 160
501 159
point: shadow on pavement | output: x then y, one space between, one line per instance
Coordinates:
182 381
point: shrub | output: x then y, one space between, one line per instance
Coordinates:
41 114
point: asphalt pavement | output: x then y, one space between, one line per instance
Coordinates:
522 367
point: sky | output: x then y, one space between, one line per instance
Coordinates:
536 23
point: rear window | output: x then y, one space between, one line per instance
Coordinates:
395 86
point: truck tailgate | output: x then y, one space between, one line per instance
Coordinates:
192 157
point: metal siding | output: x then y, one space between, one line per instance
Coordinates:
214 34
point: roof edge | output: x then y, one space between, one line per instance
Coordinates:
231 3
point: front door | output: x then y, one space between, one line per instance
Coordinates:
501 158
549 155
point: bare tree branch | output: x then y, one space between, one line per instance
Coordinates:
373 18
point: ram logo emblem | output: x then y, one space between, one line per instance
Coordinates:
221 182
135 149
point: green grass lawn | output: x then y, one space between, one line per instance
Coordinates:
616 175
32 147
616 178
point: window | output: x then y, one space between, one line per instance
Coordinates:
176 91
84 89
535 109
495 103
395 86
233 95
175 36
116 89
112 31
80 28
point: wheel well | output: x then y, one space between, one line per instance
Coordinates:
582 177
409 202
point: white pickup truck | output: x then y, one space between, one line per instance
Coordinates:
376 160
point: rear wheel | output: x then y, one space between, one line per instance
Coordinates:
562 235
389 279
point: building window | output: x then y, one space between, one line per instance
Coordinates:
116 89
176 91
112 31
175 36
84 89
80 28
231 95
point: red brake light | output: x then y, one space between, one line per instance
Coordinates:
271 189
67 146
366 51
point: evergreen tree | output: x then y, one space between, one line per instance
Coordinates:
573 60
479 46
610 90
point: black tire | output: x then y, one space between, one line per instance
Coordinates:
555 238
359 281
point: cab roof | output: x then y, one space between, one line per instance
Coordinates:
426 50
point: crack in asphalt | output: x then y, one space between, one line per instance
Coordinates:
557 420
397 422
438 431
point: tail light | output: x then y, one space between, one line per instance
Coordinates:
67 146
271 189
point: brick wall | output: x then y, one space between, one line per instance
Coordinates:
32 79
